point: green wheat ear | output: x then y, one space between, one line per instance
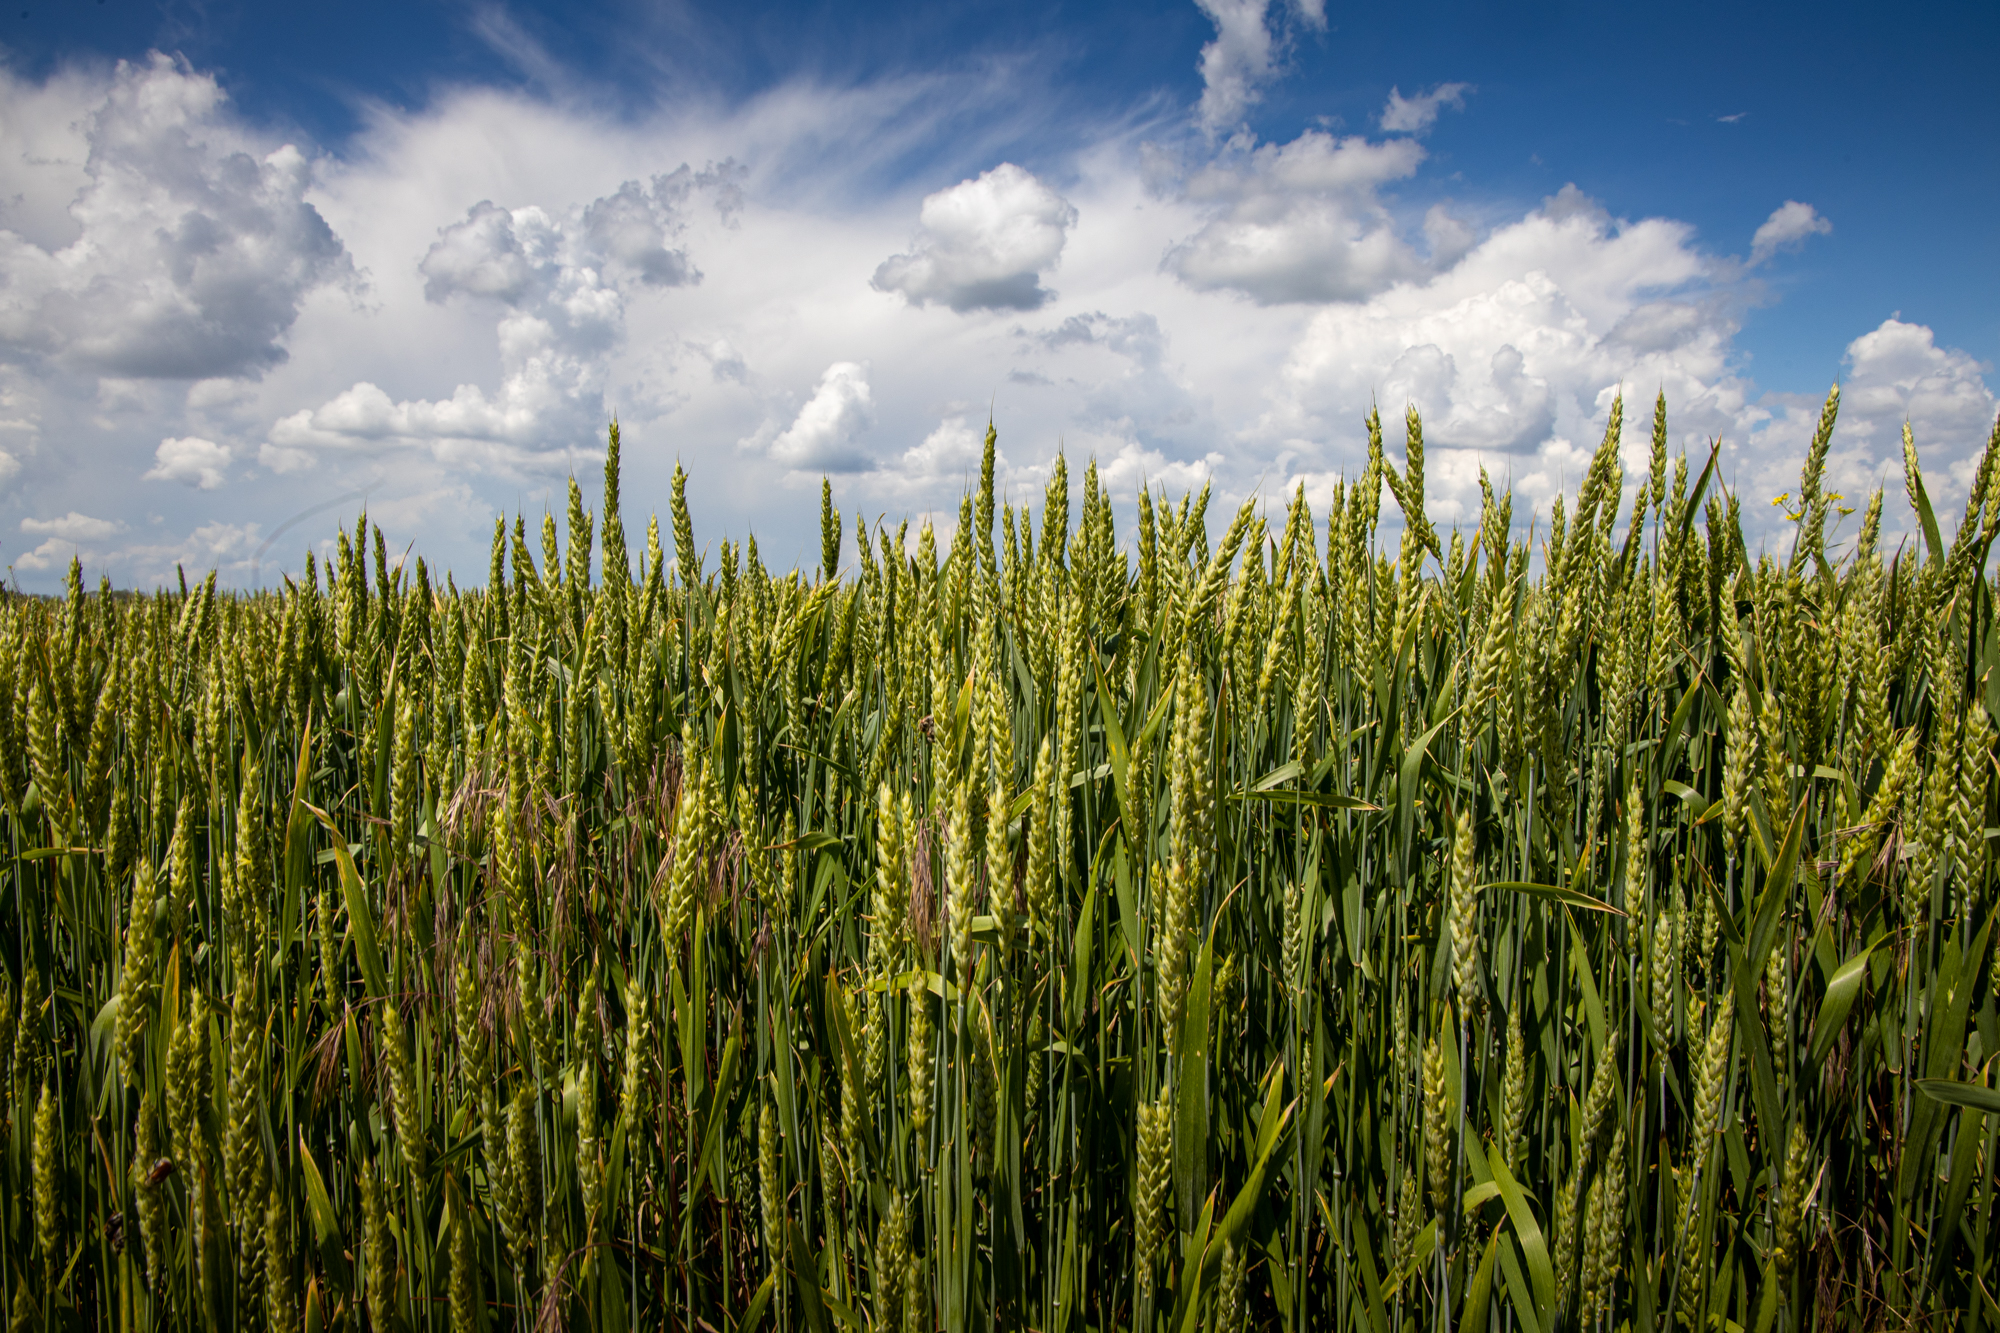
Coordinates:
1226 929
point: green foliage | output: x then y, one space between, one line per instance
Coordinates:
1051 936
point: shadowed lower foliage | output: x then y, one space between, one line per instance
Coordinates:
1295 930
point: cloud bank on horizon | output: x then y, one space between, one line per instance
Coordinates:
206 331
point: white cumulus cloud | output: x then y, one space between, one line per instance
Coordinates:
1448 237
949 456
1228 309
191 461
487 254
1414 115
1136 337
1132 465
1301 221
1896 373
1788 227
72 536
1513 355
525 255
983 244
498 434
190 246
821 437
72 527
562 281
1899 373
629 230
1247 55
1237 65
102 544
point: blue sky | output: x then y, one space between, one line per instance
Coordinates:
258 260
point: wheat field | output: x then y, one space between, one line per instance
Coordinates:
1569 924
